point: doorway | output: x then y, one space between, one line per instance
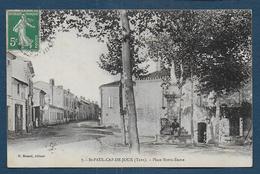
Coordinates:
202 132
18 118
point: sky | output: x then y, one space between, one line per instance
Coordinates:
72 62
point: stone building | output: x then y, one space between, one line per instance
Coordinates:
150 103
87 110
38 106
83 105
19 93
158 98
110 110
54 99
94 111
69 105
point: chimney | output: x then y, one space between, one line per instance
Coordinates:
52 82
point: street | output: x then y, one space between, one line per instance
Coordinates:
57 135
88 136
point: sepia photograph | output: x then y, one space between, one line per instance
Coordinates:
129 88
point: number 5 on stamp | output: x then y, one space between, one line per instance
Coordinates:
23 30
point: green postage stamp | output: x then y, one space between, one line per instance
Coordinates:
23 30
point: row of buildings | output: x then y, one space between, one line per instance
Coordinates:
34 104
158 102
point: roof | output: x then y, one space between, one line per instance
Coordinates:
10 55
20 81
41 90
19 70
45 86
112 84
150 76
156 75
55 107
84 101
41 85
116 83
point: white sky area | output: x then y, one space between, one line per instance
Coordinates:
72 62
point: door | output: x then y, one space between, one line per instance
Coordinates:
202 132
18 118
37 115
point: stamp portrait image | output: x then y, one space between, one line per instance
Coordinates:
23 30
129 88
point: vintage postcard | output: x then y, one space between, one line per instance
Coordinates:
129 88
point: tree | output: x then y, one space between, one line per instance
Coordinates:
128 84
226 56
214 46
176 38
206 43
112 63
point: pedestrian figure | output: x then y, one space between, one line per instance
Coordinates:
175 127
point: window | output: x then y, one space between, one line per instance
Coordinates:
110 102
18 88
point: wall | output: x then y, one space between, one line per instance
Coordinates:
17 99
83 108
69 105
53 115
55 101
36 97
149 101
110 106
148 98
46 88
18 73
58 97
9 77
9 102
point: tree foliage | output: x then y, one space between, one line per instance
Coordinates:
225 63
112 61
105 26
214 44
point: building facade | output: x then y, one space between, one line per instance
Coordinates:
88 110
157 98
150 103
19 93
83 108
54 99
38 106
69 106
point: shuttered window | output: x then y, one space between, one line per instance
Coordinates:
110 102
